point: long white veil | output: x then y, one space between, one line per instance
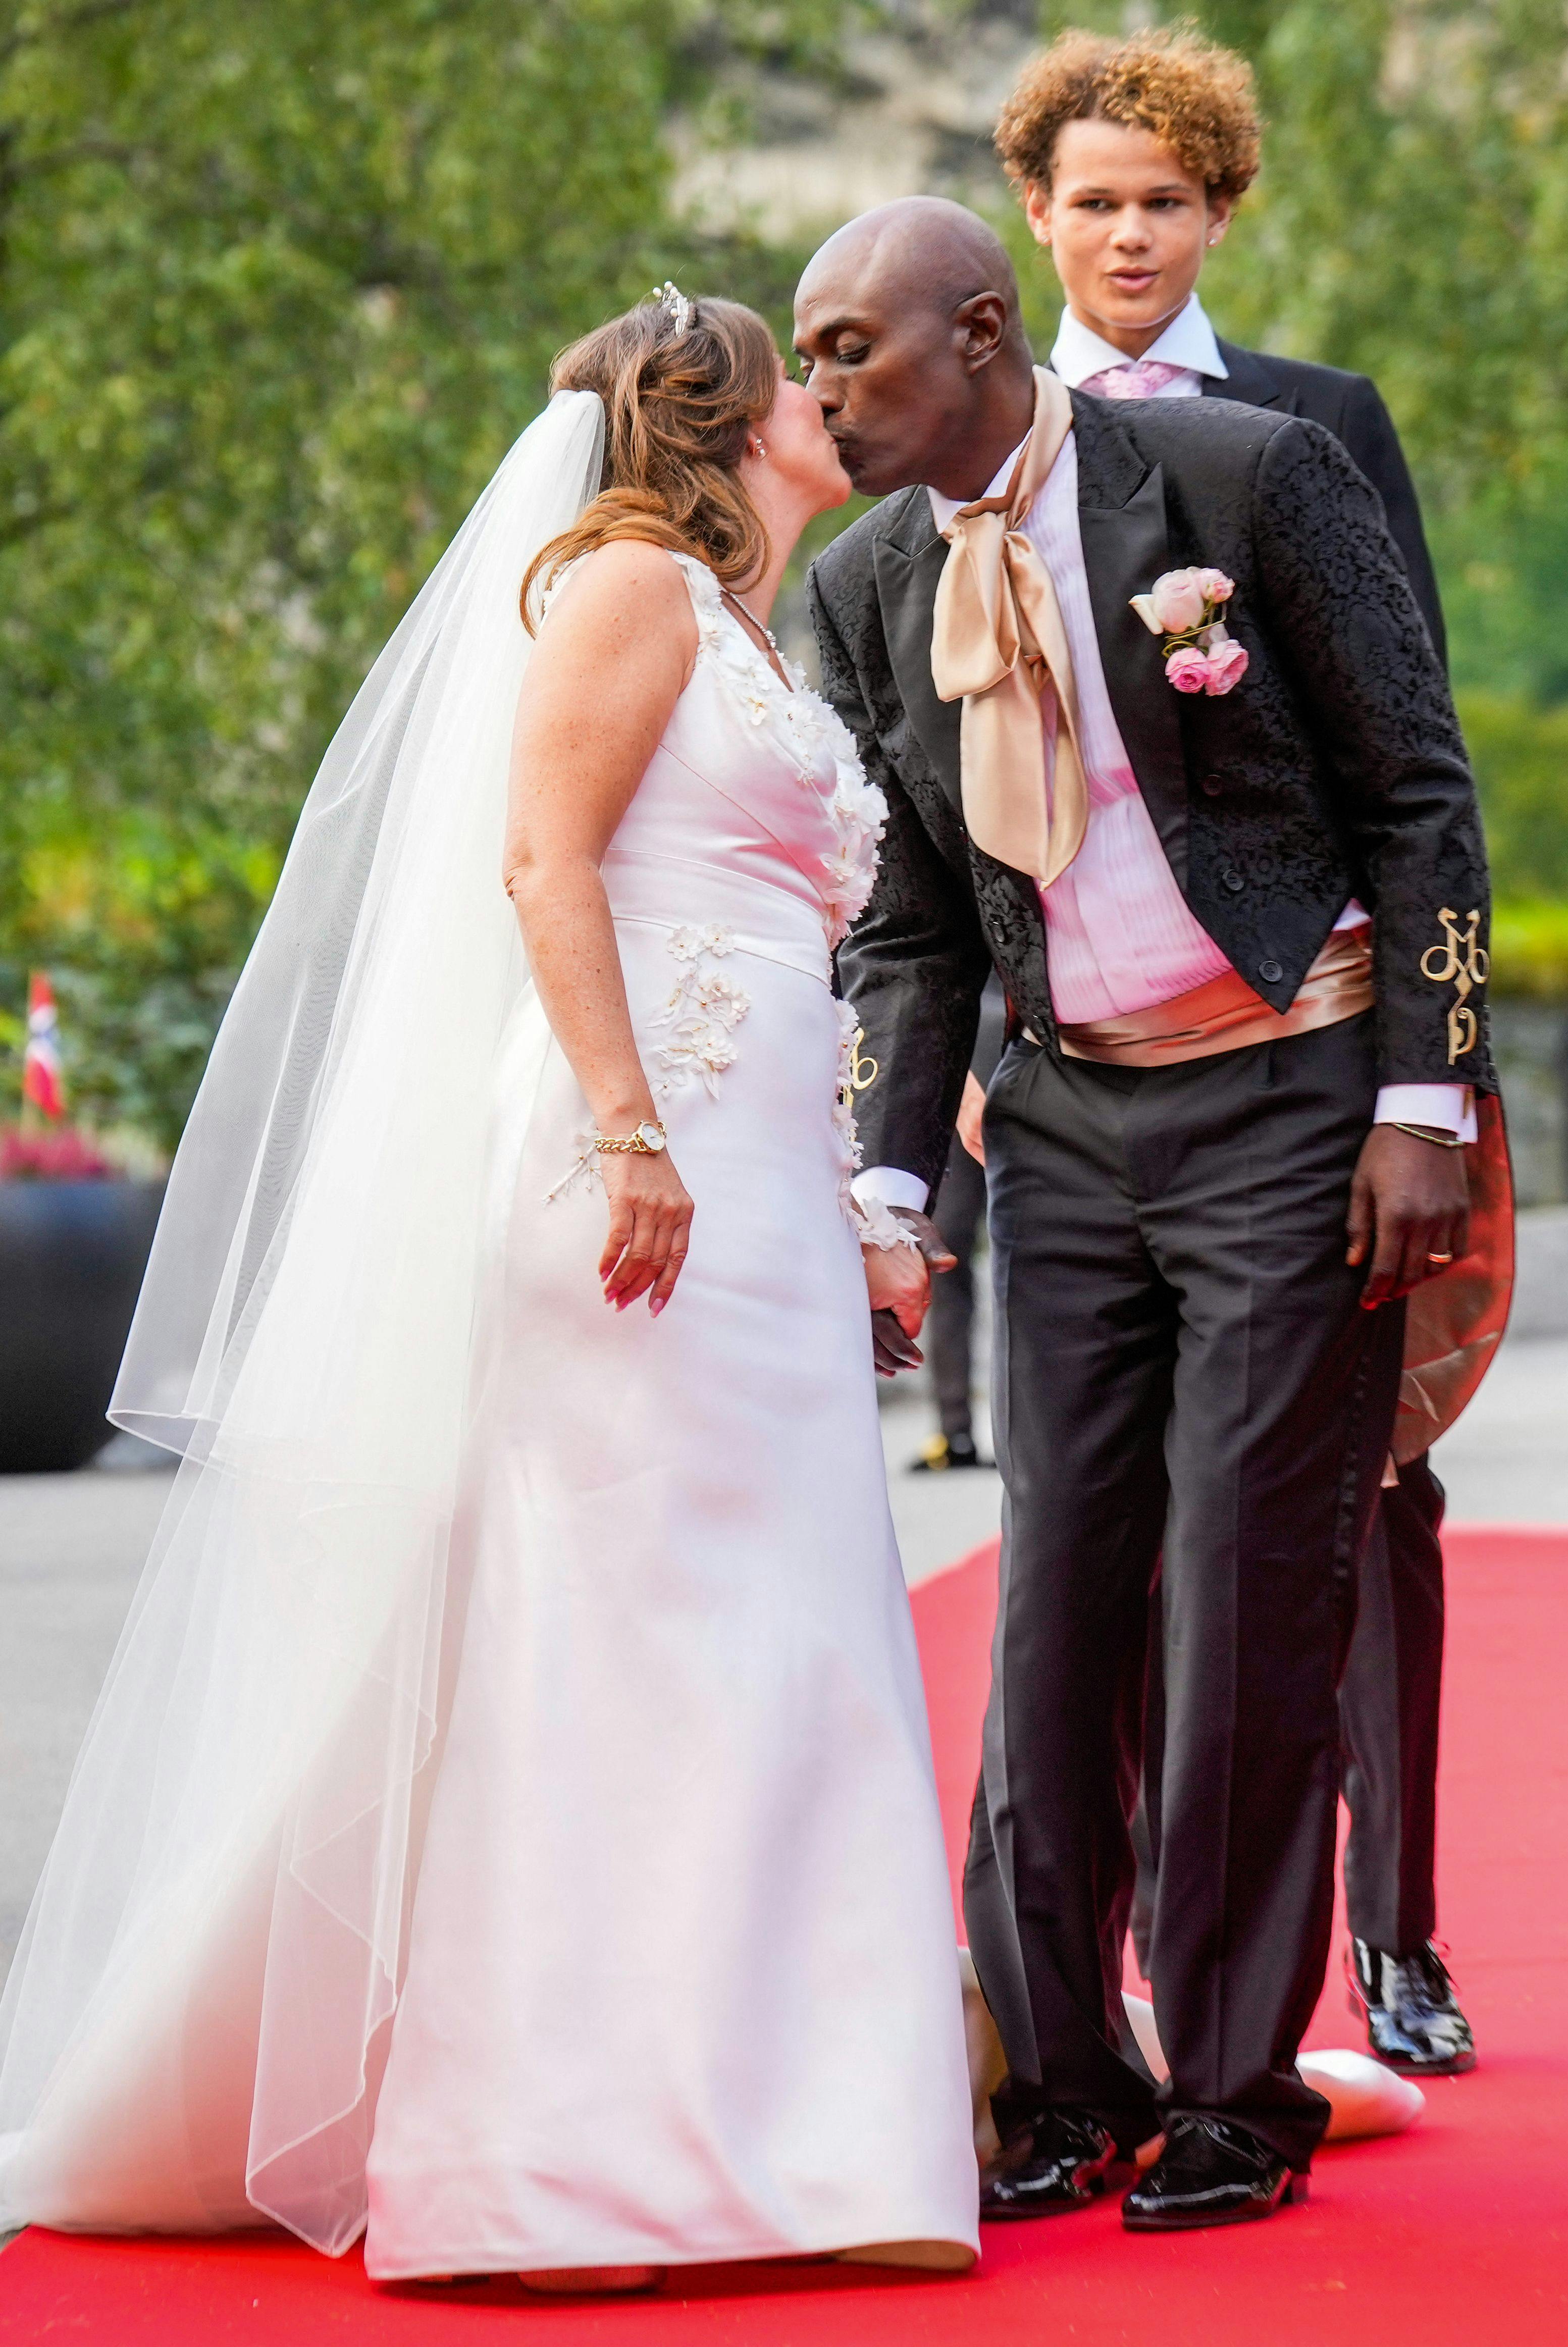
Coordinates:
193 2026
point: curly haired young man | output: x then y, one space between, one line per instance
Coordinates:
1129 157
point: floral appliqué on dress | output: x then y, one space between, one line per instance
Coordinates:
705 1009
807 731
702 1012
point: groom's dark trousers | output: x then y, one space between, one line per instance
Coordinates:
1182 1360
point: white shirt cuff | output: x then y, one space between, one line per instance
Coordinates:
892 1186
1448 1108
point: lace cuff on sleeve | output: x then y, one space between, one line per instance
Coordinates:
876 1226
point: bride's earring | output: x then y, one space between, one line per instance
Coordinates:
756 449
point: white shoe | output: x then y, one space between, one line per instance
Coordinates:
1364 2097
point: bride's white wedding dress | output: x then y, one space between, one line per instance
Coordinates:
521 1714
683 1983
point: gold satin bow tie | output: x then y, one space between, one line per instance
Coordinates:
998 644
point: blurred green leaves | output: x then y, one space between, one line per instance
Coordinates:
277 288
279 284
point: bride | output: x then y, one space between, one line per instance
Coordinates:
507 1829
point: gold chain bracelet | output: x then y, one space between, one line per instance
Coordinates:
647 1140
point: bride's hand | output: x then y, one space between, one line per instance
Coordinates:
649 1228
897 1281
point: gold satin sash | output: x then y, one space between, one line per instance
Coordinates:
998 644
1225 1015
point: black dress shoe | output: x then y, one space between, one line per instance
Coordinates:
946 1451
1048 2163
1413 2016
1211 2172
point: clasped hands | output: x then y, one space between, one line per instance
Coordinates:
650 1231
898 1283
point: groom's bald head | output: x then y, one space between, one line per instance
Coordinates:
921 250
907 323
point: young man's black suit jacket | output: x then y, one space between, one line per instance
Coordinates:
1334 769
1351 407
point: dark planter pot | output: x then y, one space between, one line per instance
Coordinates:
72 1255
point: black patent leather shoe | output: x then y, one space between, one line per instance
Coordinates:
1211 2172
1048 2163
1412 2013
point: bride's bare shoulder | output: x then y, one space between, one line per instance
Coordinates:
626 603
630 579
622 613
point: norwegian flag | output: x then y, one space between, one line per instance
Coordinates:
41 1080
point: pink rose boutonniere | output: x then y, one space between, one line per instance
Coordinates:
1201 653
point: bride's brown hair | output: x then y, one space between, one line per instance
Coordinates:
682 381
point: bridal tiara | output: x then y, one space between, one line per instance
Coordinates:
671 298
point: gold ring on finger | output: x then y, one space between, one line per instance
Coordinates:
1439 1259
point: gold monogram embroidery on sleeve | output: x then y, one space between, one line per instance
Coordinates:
1460 962
859 1074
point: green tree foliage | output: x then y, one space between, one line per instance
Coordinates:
1521 757
277 287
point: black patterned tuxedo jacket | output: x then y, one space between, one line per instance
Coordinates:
1335 768
1351 407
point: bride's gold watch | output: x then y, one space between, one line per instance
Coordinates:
646 1141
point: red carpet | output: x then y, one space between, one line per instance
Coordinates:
1449 2237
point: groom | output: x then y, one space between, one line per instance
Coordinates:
1192 1112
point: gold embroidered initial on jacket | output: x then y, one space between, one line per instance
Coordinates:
1460 962
859 1074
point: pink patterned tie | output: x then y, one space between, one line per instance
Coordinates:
1138 379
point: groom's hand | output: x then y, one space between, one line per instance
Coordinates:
891 1349
1410 1210
934 1248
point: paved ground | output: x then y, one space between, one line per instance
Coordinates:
71 1549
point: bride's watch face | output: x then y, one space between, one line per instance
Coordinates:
650 1136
